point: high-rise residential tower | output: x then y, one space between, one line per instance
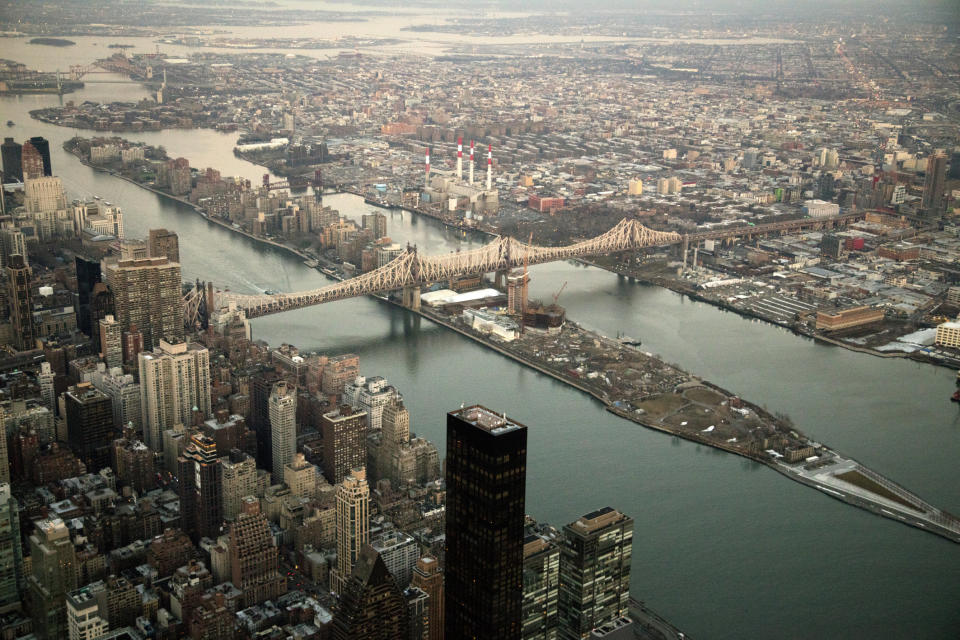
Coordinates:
283 428
198 477
163 244
934 184
353 525
174 378
344 442
372 606
147 293
428 577
486 484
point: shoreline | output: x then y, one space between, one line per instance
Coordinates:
867 504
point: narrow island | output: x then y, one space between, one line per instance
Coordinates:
53 42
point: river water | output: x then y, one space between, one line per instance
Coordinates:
723 547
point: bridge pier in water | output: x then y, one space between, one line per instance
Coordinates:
500 280
411 297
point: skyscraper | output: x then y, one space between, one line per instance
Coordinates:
198 477
344 442
283 428
353 525
12 153
541 580
32 162
174 378
254 557
400 553
934 183
372 607
486 483
101 306
12 242
43 148
90 430
111 342
595 557
11 555
54 575
163 244
428 577
147 294
19 283
88 274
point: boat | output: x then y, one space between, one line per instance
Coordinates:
958 378
956 396
9 123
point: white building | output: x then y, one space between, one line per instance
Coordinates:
400 553
948 335
124 394
821 208
370 395
174 379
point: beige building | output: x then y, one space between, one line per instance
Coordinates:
301 477
147 293
283 428
948 335
353 525
238 479
174 378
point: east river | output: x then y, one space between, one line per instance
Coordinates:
724 548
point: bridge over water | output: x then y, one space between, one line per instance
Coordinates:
410 270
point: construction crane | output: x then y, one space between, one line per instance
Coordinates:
556 296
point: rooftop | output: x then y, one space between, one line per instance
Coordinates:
488 420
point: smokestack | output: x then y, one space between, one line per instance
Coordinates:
459 158
471 162
489 167
428 166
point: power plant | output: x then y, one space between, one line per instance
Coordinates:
448 193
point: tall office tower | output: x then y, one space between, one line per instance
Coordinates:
283 428
124 394
42 195
486 482
11 554
595 556
54 575
12 242
428 577
111 342
32 162
133 462
174 378
90 430
12 153
198 475
372 607
400 553
46 380
84 619
163 244
88 274
147 294
955 165
43 148
238 479
934 183
418 612
353 525
541 580
254 557
344 442
19 283
261 386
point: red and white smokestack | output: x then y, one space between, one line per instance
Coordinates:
471 162
459 158
489 167
428 166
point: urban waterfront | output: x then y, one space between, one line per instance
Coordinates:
721 543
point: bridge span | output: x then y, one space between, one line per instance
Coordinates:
410 270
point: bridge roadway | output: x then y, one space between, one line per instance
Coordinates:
410 270
728 233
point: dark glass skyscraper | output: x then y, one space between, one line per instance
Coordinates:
42 145
12 153
486 486
88 274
